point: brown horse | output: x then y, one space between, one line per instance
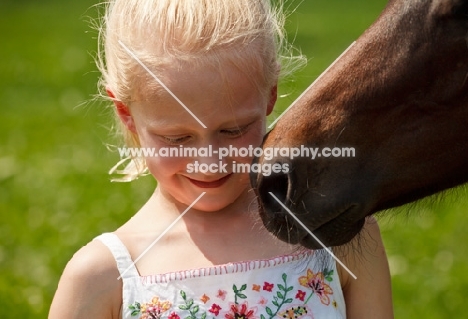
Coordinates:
399 97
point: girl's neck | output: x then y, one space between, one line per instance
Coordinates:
201 238
240 213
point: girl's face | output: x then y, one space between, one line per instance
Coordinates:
234 113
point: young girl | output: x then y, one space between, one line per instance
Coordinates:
200 74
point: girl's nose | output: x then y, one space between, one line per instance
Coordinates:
208 156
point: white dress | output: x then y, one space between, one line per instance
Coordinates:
300 285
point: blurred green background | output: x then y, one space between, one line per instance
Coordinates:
55 195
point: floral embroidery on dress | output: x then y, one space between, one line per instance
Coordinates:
215 309
221 294
151 310
276 299
241 311
190 307
294 312
316 282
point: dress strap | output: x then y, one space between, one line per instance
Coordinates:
125 264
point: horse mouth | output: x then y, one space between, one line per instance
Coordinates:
335 232
331 236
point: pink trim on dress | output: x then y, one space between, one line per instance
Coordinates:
216 270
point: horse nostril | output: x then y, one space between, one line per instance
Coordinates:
278 184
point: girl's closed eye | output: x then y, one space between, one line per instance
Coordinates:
235 132
175 139
182 139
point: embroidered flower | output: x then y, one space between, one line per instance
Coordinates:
293 312
316 282
267 286
204 298
263 301
215 309
173 315
300 295
221 294
240 312
154 309
256 287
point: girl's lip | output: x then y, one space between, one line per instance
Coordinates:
212 184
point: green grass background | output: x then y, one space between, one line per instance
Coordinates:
55 194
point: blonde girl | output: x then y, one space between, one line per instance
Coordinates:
204 73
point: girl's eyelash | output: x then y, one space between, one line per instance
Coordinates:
236 132
175 140
239 131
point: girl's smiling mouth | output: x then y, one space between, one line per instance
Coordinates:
210 184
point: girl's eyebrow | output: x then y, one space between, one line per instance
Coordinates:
251 115
170 127
240 122
167 126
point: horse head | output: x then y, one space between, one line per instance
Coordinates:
399 99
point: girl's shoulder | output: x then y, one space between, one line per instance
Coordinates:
94 261
89 282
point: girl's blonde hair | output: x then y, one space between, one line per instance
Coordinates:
246 33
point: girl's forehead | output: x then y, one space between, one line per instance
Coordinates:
213 95
181 79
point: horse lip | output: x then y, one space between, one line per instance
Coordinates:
351 232
344 233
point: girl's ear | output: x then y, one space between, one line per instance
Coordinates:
123 112
272 100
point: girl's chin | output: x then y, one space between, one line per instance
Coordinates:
209 203
213 202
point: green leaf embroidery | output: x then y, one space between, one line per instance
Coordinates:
268 311
188 307
328 274
238 293
135 308
280 299
195 309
